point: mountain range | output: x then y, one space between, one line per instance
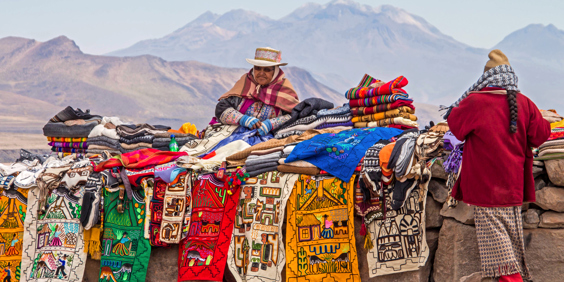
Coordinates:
340 41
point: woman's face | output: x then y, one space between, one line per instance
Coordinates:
263 75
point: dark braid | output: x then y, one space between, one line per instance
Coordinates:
513 110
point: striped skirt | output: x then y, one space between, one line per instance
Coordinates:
500 240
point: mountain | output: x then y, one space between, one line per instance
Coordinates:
38 79
342 40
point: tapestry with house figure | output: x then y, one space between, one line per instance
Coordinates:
320 228
257 253
53 239
399 238
125 250
203 254
13 207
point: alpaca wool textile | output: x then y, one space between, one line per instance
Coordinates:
139 159
320 242
343 110
203 254
339 153
177 202
387 122
500 241
256 252
361 111
404 112
12 228
278 93
53 241
125 251
378 100
79 145
392 87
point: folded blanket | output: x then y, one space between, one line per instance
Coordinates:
304 127
386 115
131 131
166 134
66 139
76 145
392 87
266 151
68 150
297 169
378 100
135 146
136 139
343 110
552 143
335 124
299 163
160 142
387 122
253 173
361 111
59 129
256 167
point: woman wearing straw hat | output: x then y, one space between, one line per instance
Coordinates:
500 125
262 98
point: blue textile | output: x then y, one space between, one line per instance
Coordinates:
242 133
340 153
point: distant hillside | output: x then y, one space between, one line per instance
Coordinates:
37 79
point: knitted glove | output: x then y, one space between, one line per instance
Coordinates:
248 121
265 127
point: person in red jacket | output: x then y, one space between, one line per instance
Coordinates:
499 125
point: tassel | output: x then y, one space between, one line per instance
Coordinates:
363 230
86 235
368 245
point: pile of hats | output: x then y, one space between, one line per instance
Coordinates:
374 103
554 147
67 132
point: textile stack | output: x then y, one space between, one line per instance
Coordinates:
306 116
67 132
374 103
553 148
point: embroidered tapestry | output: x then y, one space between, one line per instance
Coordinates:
257 250
203 254
53 241
399 240
320 229
147 185
175 205
13 206
157 205
125 251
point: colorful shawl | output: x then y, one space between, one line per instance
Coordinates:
405 112
125 251
140 159
378 100
12 228
501 76
320 242
278 93
392 87
203 254
68 150
361 111
256 253
54 241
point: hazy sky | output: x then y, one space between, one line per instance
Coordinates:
102 26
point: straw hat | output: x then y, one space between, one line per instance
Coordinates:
266 57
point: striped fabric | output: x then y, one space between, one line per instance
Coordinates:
405 112
362 111
66 139
367 80
391 87
76 145
68 150
378 100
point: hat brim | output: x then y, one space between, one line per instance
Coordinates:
263 63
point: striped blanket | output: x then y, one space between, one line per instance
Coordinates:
378 100
391 87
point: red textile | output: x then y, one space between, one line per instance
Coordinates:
211 226
400 126
362 111
140 159
497 165
157 207
516 277
391 87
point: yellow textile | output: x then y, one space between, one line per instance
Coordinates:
12 220
66 139
386 122
189 128
320 231
557 124
404 111
92 242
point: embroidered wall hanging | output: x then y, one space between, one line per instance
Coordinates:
147 185
320 229
399 240
203 254
176 204
257 250
53 241
125 251
157 205
13 207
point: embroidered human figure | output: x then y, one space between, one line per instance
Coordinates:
12 249
327 232
56 241
61 268
8 272
120 248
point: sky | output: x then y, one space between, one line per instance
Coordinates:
102 26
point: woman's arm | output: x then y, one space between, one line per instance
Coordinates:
538 130
226 110
461 118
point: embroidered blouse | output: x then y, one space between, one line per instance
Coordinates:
229 111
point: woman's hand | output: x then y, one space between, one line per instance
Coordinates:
257 125
265 128
249 122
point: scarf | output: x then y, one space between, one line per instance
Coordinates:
278 93
501 76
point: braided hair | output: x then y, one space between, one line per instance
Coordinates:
513 110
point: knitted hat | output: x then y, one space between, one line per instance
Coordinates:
496 58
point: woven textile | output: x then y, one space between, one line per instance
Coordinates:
76 145
53 241
12 219
66 139
361 111
177 202
320 242
203 254
404 112
125 251
392 87
157 207
257 249
378 100
500 240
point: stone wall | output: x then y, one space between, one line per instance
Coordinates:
451 237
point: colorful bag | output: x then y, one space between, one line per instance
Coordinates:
175 205
13 206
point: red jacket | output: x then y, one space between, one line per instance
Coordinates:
497 165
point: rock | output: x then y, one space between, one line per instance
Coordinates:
457 255
555 171
438 171
538 163
531 219
550 198
462 212
539 183
438 190
433 218
551 220
525 206
475 277
538 171
543 253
